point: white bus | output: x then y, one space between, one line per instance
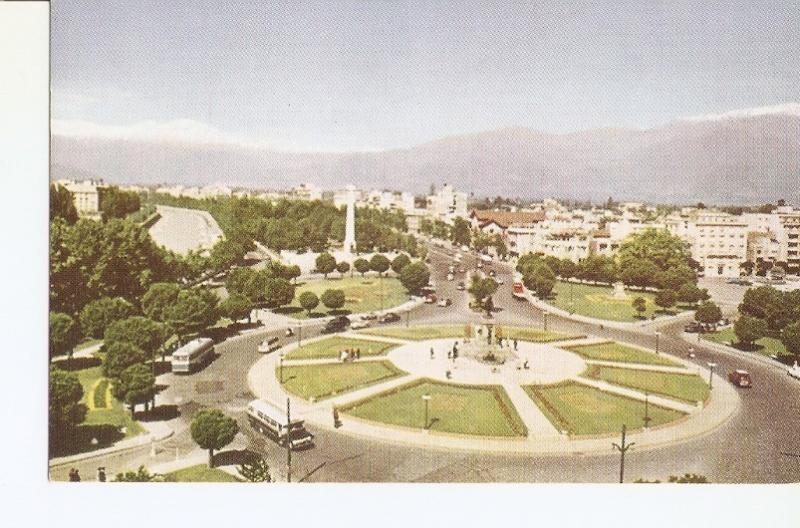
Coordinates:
271 421
192 355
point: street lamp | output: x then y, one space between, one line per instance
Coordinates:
710 374
658 339
281 367
622 447
426 398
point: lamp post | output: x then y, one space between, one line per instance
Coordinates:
281 367
408 314
658 339
646 410
622 448
545 313
710 374
426 398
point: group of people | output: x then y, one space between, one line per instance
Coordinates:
350 354
75 476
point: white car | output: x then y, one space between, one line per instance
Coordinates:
794 371
269 345
450 276
358 324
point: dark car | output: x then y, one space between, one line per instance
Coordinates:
741 378
337 324
390 317
693 328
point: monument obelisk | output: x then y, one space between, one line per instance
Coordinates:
350 223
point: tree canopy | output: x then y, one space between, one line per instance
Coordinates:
62 204
65 409
379 263
136 385
64 334
212 430
144 333
333 299
97 315
415 276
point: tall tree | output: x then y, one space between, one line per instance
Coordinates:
415 276
308 300
115 203
325 263
62 204
65 408
158 298
790 337
193 311
665 299
540 279
212 430
333 299
136 385
144 333
64 334
379 263
461 233
400 262
236 307
640 305
97 315
749 329
361 265
482 290
708 313
343 267
121 355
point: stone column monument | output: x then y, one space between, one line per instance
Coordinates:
350 223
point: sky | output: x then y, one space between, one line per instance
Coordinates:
373 75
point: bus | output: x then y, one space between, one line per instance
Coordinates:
192 355
518 290
270 421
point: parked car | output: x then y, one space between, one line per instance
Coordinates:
390 317
359 324
269 345
337 324
369 316
444 303
693 328
461 286
740 378
794 370
430 298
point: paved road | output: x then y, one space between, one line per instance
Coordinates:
746 449
182 230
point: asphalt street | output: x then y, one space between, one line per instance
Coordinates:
750 447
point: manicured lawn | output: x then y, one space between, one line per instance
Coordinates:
687 387
766 345
583 410
331 348
618 352
534 335
367 294
324 381
417 333
599 302
200 473
117 414
469 410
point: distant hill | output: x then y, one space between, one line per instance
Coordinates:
741 157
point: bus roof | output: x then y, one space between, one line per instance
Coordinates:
193 345
276 413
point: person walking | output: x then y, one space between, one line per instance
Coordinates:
431 352
74 476
101 474
515 345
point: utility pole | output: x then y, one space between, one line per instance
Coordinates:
289 443
622 448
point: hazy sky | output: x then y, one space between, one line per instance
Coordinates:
368 75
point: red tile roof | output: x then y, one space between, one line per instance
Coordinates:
506 218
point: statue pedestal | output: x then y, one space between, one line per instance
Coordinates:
619 291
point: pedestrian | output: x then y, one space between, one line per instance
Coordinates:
525 365
515 345
431 352
336 422
358 353
74 475
449 354
101 474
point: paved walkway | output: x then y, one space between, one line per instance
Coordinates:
543 437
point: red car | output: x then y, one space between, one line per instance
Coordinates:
740 378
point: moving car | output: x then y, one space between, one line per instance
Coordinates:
390 317
269 345
337 324
740 378
445 302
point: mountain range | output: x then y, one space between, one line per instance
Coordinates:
743 157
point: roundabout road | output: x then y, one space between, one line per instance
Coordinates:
747 448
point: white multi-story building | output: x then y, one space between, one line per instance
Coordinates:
447 204
86 195
719 243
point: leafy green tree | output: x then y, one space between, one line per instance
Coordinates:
665 299
236 307
674 278
145 333
482 290
229 252
333 299
158 297
790 337
255 471
308 300
540 279
212 430
239 281
640 305
65 408
278 292
97 315
121 355
62 204
415 276
499 246
193 311
708 313
689 293
343 267
640 273
325 263
115 203
760 302
136 385
749 329
597 268
658 246
361 265
64 334
400 262
460 233
747 267
379 263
